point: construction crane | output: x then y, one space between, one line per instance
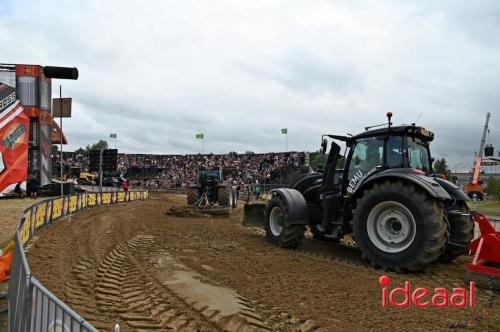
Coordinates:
474 187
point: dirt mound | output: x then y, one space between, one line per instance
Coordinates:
136 265
197 212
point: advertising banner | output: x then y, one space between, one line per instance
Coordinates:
44 213
14 139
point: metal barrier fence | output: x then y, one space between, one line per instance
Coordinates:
31 306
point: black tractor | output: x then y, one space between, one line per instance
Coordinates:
211 189
401 214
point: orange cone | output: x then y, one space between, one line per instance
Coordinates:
5 265
7 260
3 272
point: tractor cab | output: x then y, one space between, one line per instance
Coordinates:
403 147
208 180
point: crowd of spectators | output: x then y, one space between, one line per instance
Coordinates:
178 171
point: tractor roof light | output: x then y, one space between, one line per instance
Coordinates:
389 116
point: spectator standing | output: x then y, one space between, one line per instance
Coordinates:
257 191
33 186
125 185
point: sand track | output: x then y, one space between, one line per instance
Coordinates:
148 271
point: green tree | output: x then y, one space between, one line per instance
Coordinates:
440 167
80 151
317 160
102 144
493 187
54 149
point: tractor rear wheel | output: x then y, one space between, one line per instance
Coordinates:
461 232
278 230
398 226
192 196
224 196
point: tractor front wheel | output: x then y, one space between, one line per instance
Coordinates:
398 226
224 196
278 230
192 196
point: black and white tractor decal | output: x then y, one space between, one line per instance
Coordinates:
357 179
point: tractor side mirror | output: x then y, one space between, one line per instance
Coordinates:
324 145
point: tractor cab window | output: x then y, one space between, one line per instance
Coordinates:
418 154
394 152
368 154
208 174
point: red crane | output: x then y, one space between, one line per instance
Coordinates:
474 187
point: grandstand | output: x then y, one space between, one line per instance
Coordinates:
157 171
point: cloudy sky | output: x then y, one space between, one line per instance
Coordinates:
158 72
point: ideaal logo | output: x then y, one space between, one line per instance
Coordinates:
421 297
14 136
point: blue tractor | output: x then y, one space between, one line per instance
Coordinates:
211 189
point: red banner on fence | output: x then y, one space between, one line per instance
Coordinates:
14 138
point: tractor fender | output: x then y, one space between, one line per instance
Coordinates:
427 183
455 192
298 212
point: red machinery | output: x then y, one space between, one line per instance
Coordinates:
485 268
474 187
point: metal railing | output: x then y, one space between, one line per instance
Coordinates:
31 306
50 314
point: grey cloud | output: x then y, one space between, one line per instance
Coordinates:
239 71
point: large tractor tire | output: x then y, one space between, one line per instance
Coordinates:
235 199
193 195
225 196
399 227
278 230
461 230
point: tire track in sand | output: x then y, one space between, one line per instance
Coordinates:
123 288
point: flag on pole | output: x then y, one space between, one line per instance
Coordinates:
199 136
284 131
112 135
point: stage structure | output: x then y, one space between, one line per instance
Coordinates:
26 123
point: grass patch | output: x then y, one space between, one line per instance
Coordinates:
489 208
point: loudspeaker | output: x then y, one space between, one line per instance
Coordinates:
488 151
61 72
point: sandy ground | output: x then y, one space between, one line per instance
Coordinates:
10 211
149 271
